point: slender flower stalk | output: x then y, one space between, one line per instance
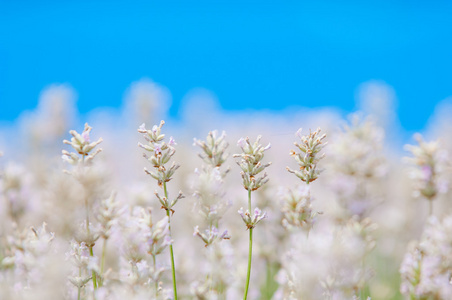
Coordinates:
208 188
297 209
82 144
297 212
251 165
158 238
160 154
107 217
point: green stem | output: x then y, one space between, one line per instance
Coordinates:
156 282
79 288
91 253
430 207
173 268
102 261
250 251
88 231
249 200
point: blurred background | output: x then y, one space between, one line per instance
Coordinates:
245 55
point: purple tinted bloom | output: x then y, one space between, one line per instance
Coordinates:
224 234
154 129
172 142
241 142
257 212
196 231
214 230
240 211
85 136
426 173
157 148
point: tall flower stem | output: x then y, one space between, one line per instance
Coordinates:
156 282
79 288
173 267
250 251
91 253
102 260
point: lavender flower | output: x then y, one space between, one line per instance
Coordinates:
427 266
252 220
161 153
82 145
309 155
429 160
214 149
211 235
250 163
358 166
297 208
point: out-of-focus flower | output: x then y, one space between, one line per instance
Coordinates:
297 208
108 215
430 161
16 190
208 186
211 235
158 234
214 149
358 166
426 269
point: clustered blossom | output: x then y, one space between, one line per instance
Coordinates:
23 252
87 234
429 159
309 156
86 237
208 188
157 234
209 191
214 149
160 153
15 185
142 238
358 166
348 273
426 269
108 215
82 145
80 257
168 204
251 164
211 235
252 220
297 208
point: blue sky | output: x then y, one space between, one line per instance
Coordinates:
250 54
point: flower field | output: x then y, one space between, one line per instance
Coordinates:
221 205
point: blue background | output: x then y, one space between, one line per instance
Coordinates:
250 54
